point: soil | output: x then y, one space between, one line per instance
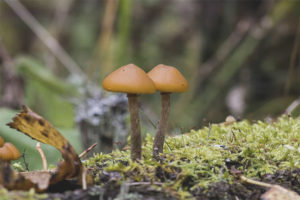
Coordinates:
112 189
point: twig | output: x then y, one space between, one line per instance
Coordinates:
108 24
144 183
61 16
45 37
12 84
259 183
84 172
229 45
87 150
237 58
103 56
39 149
292 106
293 59
25 163
238 174
6 59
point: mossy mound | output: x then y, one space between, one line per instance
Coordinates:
198 159
196 165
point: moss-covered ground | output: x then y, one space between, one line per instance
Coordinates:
198 164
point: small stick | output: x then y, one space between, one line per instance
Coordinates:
87 150
25 163
39 149
259 183
239 175
50 42
292 106
84 172
143 183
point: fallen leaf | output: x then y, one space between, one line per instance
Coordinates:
12 180
38 128
40 178
69 168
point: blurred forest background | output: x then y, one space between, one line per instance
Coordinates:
241 58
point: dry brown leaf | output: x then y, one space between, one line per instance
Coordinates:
12 180
69 168
38 128
40 178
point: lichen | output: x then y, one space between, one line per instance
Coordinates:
201 157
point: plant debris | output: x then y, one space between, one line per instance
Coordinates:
38 128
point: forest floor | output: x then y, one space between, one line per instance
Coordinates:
202 164
289 179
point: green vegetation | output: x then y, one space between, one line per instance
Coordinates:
30 195
202 157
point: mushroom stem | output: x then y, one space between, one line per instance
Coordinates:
159 139
136 140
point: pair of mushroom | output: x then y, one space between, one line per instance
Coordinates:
133 80
8 151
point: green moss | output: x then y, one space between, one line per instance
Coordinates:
205 156
19 195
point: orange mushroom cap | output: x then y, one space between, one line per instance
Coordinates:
13 149
5 154
9 152
129 79
1 141
168 79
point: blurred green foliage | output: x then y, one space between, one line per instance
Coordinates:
51 92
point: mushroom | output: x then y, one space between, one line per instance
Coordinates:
1 141
132 80
167 79
9 152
